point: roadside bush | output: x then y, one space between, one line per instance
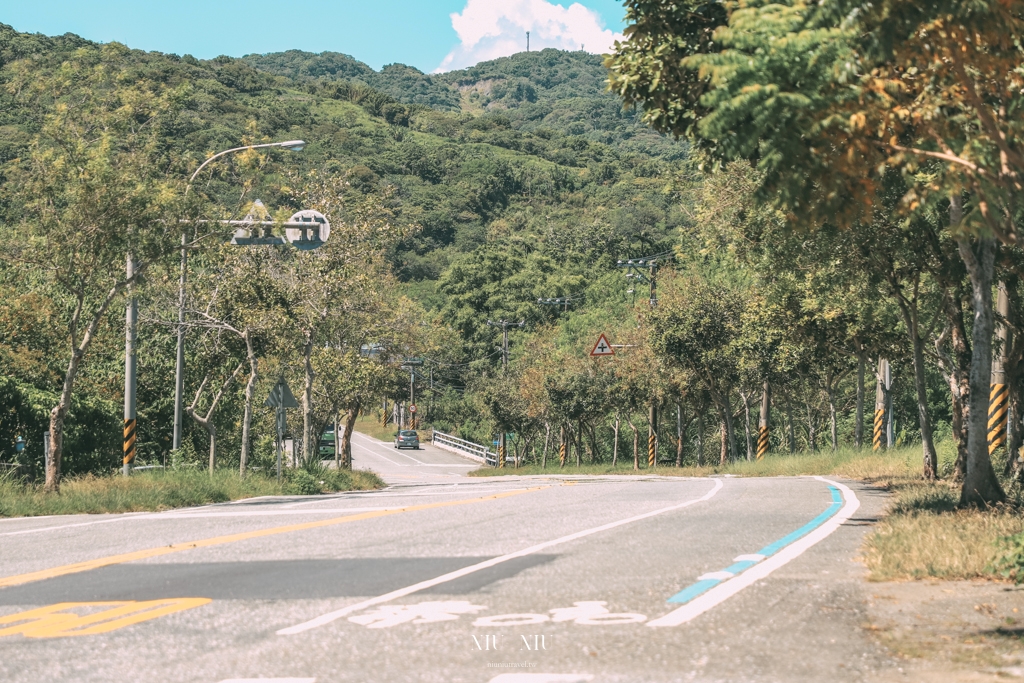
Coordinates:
1009 563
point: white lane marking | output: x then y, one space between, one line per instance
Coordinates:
269 680
542 678
752 557
486 564
715 576
72 526
382 444
378 455
727 589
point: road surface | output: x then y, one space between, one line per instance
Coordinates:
446 578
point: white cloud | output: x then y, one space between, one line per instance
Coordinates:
489 29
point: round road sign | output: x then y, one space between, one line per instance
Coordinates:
308 238
412 409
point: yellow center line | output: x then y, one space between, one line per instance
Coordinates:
232 538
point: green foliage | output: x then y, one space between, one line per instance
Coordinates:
1009 563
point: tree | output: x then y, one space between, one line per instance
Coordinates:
87 196
821 98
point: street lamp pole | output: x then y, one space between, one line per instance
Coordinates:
179 366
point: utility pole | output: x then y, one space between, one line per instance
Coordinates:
504 369
130 381
412 397
562 301
635 268
179 366
527 41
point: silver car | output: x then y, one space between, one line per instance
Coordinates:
407 438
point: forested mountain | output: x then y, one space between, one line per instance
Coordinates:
515 179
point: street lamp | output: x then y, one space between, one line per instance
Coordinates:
179 367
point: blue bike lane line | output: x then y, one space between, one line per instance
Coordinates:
714 588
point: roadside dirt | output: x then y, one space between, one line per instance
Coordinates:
950 631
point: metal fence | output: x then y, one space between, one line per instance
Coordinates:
467 447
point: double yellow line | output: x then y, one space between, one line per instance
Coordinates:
232 538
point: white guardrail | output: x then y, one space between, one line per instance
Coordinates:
473 450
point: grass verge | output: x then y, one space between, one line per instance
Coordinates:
879 467
166 489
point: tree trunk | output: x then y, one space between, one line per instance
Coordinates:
547 440
790 429
346 440
337 441
833 426
57 417
730 430
308 451
723 419
212 429
811 443
636 443
909 310
745 398
679 435
250 392
980 486
579 443
858 430
700 437
615 442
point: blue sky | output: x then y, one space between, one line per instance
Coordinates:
427 34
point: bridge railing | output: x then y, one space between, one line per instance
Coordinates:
469 448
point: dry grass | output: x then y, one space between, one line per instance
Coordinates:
166 489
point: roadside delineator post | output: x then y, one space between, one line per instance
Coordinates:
652 438
999 392
881 391
762 426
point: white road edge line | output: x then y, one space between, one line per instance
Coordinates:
727 589
451 576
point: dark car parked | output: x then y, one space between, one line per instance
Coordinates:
407 438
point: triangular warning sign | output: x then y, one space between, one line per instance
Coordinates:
602 347
281 396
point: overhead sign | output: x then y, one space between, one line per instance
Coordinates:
281 396
602 347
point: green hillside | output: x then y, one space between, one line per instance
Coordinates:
518 179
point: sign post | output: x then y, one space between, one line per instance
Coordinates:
281 397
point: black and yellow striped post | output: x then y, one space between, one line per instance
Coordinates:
561 448
998 407
881 389
762 425
501 450
129 442
652 438
130 372
999 392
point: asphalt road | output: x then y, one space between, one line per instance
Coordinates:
447 578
